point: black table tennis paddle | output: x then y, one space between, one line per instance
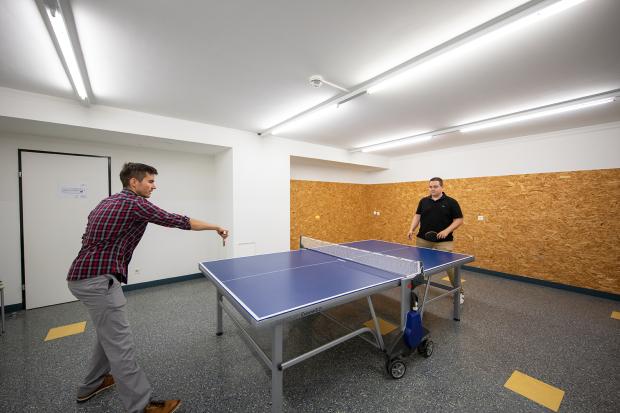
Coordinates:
431 236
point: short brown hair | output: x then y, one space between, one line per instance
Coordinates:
135 170
438 179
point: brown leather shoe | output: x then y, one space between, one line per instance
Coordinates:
108 381
162 406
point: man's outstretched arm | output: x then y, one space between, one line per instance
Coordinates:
198 225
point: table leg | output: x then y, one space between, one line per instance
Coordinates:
379 337
219 329
457 294
405 303
2 308
276 371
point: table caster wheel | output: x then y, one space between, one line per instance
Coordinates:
397 368
426 348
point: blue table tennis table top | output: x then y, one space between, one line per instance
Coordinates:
271 285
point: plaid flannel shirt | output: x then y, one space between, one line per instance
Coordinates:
113 231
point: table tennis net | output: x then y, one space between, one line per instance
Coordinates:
401 266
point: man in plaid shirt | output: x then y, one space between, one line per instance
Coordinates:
113 231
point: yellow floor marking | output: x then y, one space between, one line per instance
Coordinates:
64 331
384 326
446 278
536 390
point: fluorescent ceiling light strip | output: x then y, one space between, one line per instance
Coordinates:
512 20
529 19
310 114
476 40
301 120
566 106
534 115
559 6
62 36
398 142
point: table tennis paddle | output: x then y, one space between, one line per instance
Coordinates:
431 236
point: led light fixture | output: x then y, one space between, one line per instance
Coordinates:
67 46
515 19
309 118
397 142
533 114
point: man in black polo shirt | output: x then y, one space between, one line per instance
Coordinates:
438 216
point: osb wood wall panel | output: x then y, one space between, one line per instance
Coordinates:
560 227
329 211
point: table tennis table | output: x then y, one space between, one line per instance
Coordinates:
270 290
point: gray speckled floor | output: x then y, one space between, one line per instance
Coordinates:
565 339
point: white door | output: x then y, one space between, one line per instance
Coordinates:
58 191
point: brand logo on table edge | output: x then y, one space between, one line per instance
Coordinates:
306 313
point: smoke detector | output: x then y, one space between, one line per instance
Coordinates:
318 81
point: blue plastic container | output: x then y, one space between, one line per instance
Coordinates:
414 333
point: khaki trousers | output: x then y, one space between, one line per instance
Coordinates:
444 246
114 349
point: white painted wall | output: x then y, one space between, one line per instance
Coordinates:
594 147
588 148
261 196
25 105
327 172
223 191
184 185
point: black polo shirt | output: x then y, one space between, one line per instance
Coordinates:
437 215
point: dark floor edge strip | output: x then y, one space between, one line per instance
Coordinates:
164 281
11 308
581 290
616 297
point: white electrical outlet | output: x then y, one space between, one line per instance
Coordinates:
480 217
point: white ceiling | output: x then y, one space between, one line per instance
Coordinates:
245 64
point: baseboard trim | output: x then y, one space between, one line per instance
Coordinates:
587 291
12 308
